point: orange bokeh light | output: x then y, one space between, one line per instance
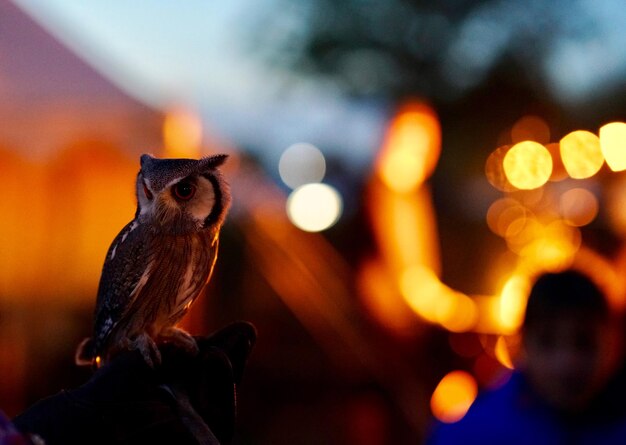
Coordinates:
182 134
411 148
494 170
530 128
578 206
453 396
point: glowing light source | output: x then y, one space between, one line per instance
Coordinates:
578 206
314 207
424 292
513 302
581 154
435 302
301 164
411 148
613 145
182 134
463 315
527 165
453 396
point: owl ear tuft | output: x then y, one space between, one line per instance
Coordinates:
213 161
145 159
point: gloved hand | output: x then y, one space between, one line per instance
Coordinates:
186 400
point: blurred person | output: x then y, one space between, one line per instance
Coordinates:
569 386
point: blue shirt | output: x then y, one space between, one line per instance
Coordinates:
513 415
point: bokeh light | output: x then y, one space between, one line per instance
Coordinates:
513 302
530 128
551 245
581 154
527 165
613 145
502 352
182 133
424 292
411 147
314 207
578 206
494 169
435 302
505 213
453 396
463 316
300 164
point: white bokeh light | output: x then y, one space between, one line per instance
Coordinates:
300 164
314 207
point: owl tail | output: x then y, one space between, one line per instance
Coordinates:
85 354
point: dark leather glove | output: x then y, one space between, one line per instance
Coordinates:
186 400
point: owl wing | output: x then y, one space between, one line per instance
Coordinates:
126 263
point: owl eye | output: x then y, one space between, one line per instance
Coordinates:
147 192
184 191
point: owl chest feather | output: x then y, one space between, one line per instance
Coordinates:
177 267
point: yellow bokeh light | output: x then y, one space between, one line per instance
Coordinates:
462 314
527 165
513 302
435 302
578 206
553 252
453 396
424 293
613 145
411 148
581 154
182 134
314 207
300 164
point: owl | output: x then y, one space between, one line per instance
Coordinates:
159 263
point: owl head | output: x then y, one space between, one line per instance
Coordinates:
179 196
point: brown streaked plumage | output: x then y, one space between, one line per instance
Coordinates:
161 261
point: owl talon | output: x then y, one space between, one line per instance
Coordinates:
180 338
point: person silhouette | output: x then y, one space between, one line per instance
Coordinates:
568 387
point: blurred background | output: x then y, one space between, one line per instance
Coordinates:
400 172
